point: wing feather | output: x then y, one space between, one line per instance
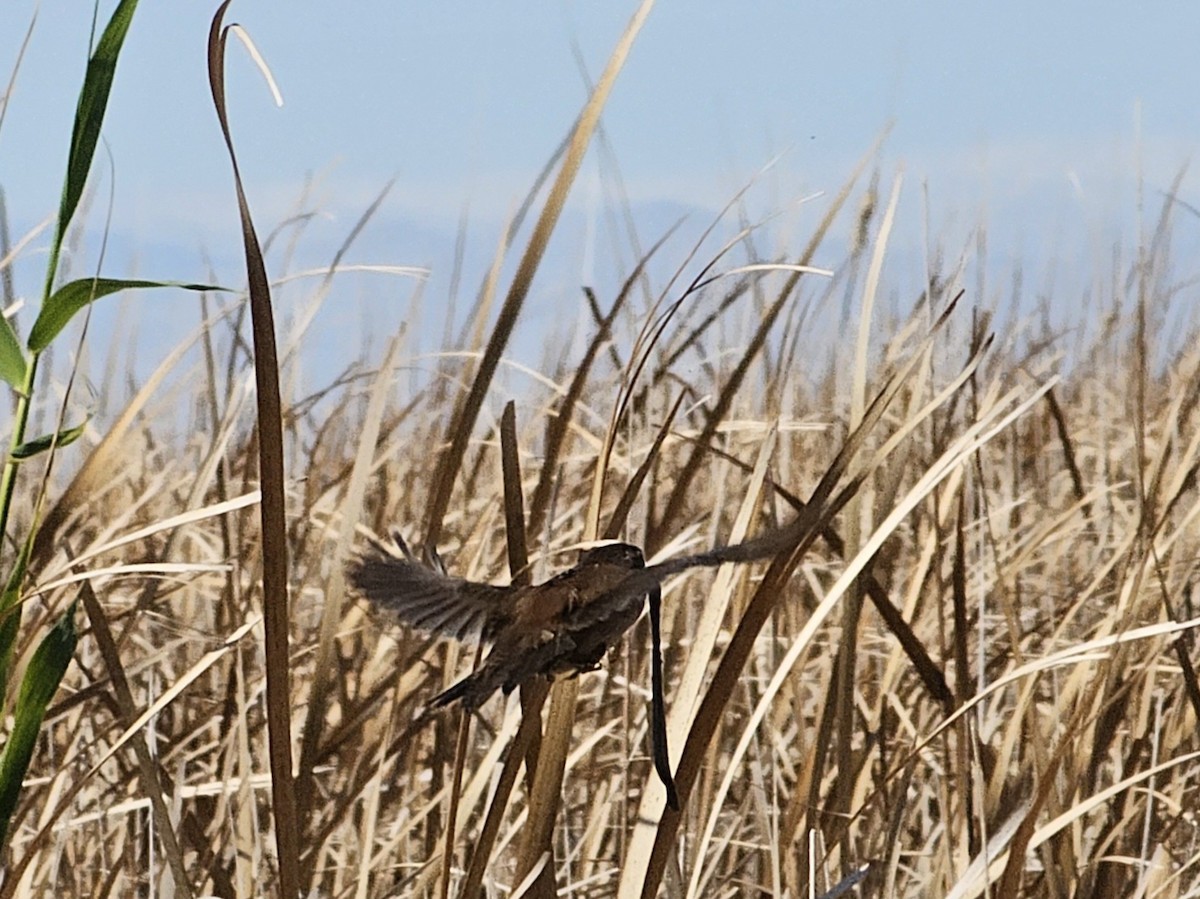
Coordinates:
428 599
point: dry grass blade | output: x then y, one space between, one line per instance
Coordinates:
546 795
12 78
841 700
616 521
707 632
962 632
514 500
531 721
331 614
13 875
731 387
789 542
558 427
151 783
169 524
1068 447
658 711
276 618
533 695
955 457
463 421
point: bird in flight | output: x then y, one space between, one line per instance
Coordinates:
563 626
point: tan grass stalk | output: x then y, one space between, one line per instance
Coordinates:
465 415
14 875
276 619
687 694
335 591
858 520
104 458
147 764
558 429
731 387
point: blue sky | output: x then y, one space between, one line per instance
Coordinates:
1034 116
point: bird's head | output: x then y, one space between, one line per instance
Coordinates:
625 555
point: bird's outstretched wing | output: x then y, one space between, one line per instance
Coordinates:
424 596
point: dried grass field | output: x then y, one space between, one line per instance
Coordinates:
970 673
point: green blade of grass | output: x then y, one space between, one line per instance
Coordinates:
13 364
89 117
65 437
42 677
61 307
10 616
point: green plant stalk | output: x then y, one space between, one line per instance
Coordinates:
89 117
50 661
10 613
8 481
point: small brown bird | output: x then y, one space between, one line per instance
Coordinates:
563 626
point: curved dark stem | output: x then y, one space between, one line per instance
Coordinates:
658 714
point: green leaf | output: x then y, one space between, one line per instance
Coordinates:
42 677
70 298
10 616
13 364
89 113
40 444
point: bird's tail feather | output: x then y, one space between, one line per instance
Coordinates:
453 693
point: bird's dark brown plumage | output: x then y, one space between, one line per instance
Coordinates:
562 626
